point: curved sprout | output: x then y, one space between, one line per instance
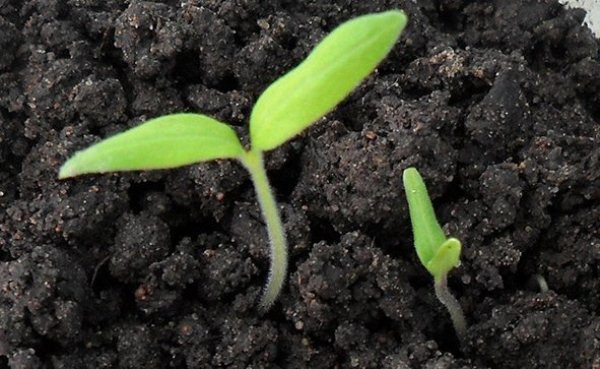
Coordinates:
438 254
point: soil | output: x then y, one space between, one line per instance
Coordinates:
497 103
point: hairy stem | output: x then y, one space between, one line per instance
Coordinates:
451 303
253 161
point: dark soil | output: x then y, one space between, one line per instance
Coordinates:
496 102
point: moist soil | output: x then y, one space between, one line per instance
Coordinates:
495 102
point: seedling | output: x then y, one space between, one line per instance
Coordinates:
437 253
291 104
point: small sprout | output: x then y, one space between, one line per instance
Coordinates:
437 253
541 283
291 104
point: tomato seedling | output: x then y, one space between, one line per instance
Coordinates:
437 253
288 106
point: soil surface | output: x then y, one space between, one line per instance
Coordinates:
496 102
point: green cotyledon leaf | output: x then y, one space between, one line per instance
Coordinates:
427 232
446 258
165 142
329 73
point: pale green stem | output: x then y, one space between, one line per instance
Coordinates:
253 161
451 303
542 283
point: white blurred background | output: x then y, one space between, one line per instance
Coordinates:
593 12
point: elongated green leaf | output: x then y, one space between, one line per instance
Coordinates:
166 142
427 232
331 71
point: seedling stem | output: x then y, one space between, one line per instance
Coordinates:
451 303
253 161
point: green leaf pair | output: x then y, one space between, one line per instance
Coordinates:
292 103
437 253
